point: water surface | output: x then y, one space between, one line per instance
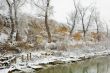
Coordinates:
97 65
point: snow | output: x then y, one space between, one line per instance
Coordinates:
6 70
3 37
35 66
38 58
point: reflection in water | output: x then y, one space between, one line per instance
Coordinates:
98 65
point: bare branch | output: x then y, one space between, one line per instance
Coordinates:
9 4
88 24
45 8
20 5
68 21
36 4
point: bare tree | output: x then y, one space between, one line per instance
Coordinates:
13 7
98 24
16 5
44 5
107 29
11 18
83 11
1 17
89 20
73 18
1 5
83 14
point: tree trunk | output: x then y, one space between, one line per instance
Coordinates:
46 23
74 23
84 31
98 33
47 29
16 20
12 25
11 19
97 30
18 38
71 31
107 30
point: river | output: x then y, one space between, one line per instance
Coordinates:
96 65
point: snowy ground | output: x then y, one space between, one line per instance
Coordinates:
3 37
39 59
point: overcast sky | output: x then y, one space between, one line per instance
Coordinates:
63 7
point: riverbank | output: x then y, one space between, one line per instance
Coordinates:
42 59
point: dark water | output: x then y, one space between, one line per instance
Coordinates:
97 65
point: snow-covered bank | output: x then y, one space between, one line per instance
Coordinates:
3 37
41 59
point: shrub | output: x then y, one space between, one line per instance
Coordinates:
24 45
77 36
62 29
96 36
39 39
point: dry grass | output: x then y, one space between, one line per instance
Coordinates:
39 39
77 36
8 49
24 45
96 36
1 25
61 29
35 26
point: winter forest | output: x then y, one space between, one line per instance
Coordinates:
33 41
